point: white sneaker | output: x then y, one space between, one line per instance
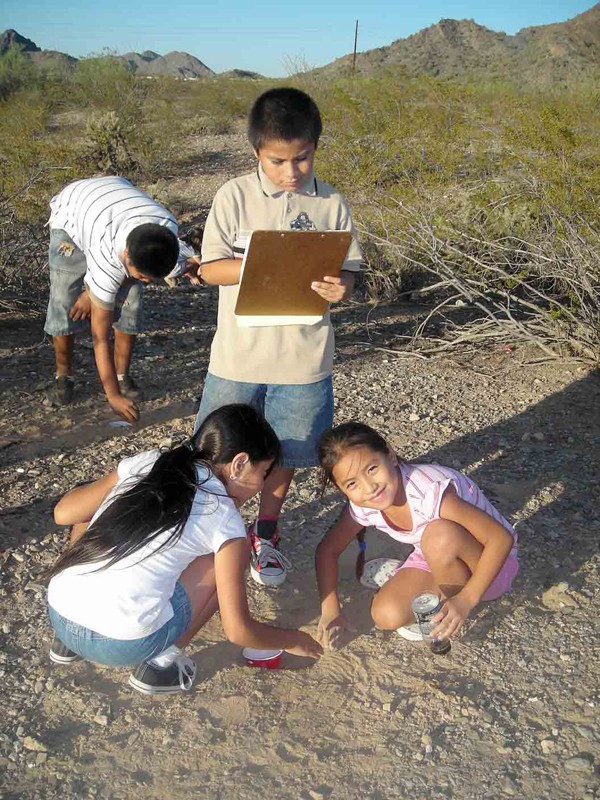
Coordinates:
410 632
378 571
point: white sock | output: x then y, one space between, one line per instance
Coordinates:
121 377
68 377
166 658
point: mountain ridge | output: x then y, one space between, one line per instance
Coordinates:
457 48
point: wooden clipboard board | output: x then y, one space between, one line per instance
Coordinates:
277 271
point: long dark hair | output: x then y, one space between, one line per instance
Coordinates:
162 500
333 445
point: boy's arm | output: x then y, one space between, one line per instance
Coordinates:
101 323
224 272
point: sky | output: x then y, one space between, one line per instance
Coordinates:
266 37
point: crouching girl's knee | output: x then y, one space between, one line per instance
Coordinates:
441 540
386 615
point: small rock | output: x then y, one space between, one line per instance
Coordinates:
538 436
133 737
508 786
547 745
580 763
414 417
101 719
18 556
29 743
41 758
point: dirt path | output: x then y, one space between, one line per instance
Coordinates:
512 712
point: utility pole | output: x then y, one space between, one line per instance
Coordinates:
355 41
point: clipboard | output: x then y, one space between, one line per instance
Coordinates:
277 271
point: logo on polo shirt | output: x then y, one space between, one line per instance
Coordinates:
303 223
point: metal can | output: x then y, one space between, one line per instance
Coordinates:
425 606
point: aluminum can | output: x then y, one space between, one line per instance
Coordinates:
425 606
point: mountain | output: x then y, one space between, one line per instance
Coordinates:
180 65
49 59
547 53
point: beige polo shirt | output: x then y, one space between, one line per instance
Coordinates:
293 354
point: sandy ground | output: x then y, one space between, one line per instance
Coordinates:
511 712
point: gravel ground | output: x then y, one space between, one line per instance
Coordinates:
511 712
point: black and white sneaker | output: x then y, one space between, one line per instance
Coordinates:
129 388
268 565
177 677
60 653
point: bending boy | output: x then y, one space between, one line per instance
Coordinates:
283 371
107 238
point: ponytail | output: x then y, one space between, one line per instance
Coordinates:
162 500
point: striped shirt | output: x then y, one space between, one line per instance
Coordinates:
424 485
99 214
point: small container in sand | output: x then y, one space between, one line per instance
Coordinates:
268 659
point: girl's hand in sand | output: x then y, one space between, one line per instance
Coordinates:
307 647
451 616
331 631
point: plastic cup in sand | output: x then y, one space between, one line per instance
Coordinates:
267 659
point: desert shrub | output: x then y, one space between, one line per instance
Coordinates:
209 125
23 248
16 72
107 144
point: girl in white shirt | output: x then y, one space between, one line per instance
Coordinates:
157 546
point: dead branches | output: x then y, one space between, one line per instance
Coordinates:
544 293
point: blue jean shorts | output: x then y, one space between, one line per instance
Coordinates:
125 652
67 271
298 413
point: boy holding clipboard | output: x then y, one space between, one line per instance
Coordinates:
282 370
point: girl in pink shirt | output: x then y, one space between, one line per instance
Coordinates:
464 549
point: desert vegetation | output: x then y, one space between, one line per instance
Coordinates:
479 197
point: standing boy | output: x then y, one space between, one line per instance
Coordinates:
284 371
107 238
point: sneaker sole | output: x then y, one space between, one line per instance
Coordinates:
145 689
407 634
267 580
63 659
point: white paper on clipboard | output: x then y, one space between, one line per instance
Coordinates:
256 321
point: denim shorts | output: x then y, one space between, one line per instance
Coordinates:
298 413
125 652
67 270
